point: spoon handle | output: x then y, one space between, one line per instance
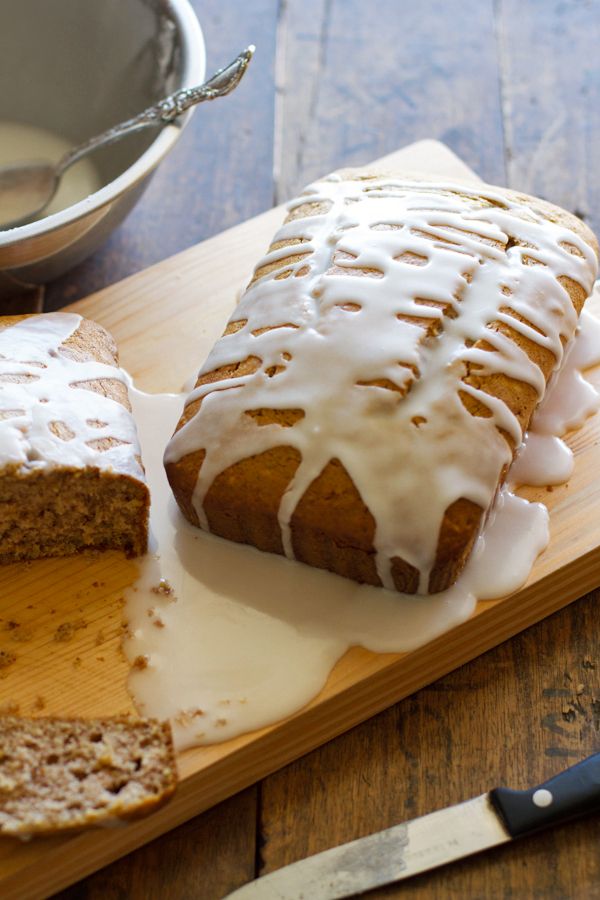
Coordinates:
219 85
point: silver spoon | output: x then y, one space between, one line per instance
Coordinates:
26 188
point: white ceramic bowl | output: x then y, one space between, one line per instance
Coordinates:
76 67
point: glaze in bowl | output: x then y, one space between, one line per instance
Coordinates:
77 67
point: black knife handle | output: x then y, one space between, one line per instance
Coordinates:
573 793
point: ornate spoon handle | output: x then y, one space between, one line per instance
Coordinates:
221 83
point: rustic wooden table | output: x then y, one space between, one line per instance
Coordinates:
512 86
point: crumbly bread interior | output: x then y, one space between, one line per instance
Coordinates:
331 526
61 510
59 513
60 774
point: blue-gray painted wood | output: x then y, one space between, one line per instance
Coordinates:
550 64
359 82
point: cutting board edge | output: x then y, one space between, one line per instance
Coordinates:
94 850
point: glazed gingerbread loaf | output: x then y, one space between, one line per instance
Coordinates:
63 774
366 399
71 475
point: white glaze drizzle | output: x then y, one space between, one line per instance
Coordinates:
47 416
326 346
247 638
545 459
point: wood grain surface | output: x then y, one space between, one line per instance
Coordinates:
513 88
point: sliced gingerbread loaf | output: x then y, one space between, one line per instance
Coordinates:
71 475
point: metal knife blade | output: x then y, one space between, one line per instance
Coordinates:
382 858
432 840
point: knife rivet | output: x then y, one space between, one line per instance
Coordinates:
542 797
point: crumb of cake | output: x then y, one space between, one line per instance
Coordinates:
156 619
21 635
66 631
7 658
220 722
39 704
11 625
140 662
186 716
163 588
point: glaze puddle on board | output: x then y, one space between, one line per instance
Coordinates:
225 639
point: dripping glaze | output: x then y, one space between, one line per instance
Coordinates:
47 417
425 253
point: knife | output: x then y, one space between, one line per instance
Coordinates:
432 840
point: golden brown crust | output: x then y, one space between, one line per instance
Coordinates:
331 527
49 513
243 501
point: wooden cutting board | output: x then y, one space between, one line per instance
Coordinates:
61 620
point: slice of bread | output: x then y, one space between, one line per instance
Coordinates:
66 774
